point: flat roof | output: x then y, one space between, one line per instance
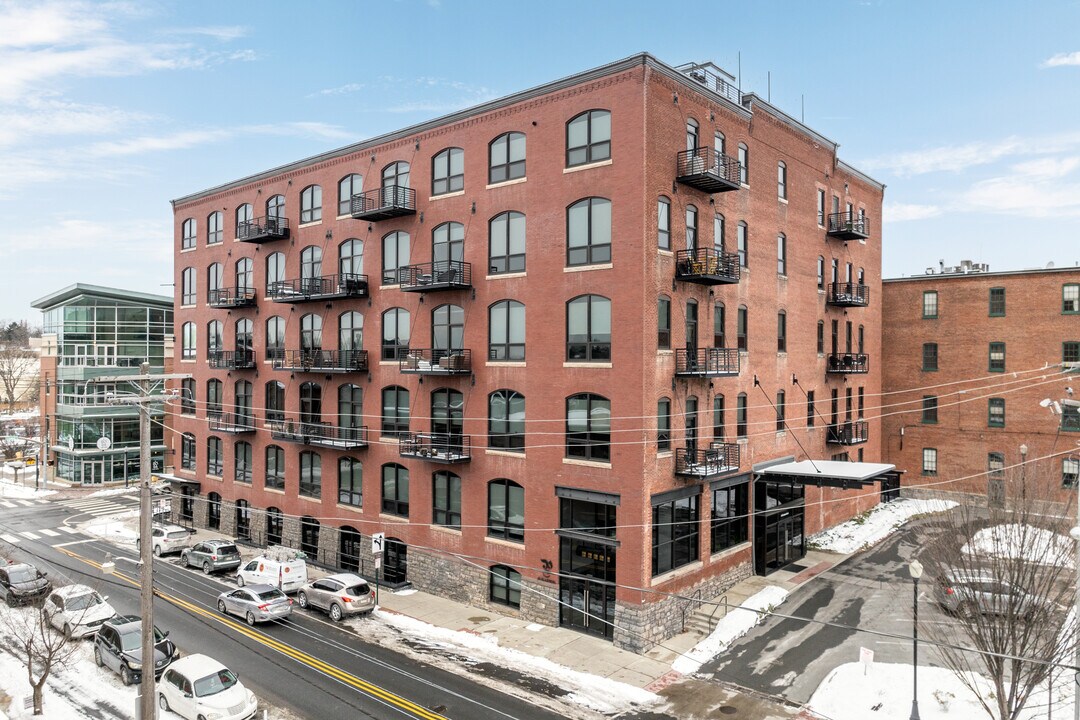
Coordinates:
78 289
840 469
976 275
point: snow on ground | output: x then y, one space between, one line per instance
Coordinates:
115 528
22 490
882 691
1012 541
854 535
592 691
114 491
731 627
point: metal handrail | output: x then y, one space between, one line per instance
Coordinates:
718 458
441 273
224 422
849 433
230 359
707 160
848 363
270 226
436 361
849 221
231 297
707 361
389 196
437 446
316 360
343 285
849 292
707 261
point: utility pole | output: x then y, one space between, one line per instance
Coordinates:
143 400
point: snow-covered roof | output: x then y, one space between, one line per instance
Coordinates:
839 469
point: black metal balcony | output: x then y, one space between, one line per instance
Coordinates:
231 298
705 266
848 295
436 447
231 359
717 459
706 169
231 423
426 361
319 434
434 276
707 362
262 229
1070 418
322 361
849 433
848 363
384 203
848 226
324 287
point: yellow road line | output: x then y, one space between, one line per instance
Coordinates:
311 661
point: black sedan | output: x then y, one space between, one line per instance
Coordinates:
21 583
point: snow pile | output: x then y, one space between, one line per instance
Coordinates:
114 491
732 626
1013 541
22 491
853 535
116 528
592 691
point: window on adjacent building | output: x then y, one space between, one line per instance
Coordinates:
275 468
743 240
996 412
588 138
506 420
995 464
674 534
663 322
811 412
929 304
781 254
718 234
506 233
347 187
820 273
781 331
821 207
395 490
719 326
446 499
588 427
588 232
744 164
242 462
275 401
506 510
663 223
311 204
741 328
506 330
187 234
663 425
929 356
395 334
781 410
1070 298
188 343
820 337
448 171
215 227
929 408
507 158
740 415
188 291
214 456
997 357
781 180
929 461
691 227
730 523
1070 471
1070 351
997 302
588 329
505 586
187 452
395 411
718 417
350 482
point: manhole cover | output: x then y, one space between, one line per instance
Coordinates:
727 710
479 619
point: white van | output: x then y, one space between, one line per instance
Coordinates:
288 575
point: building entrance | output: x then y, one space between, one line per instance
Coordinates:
587 587
93 472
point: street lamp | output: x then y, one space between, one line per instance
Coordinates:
915 569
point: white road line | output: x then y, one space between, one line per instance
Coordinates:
30 536
89 504
75 542
11 539
25 503
50 533
7 504
69 530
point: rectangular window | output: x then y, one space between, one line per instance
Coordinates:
781 331
446 500
997 357
862 402
996 413
1070 471
718 417
810 412
781 411
929 408
740 329
742 240
663 323
781 255
995 464
187 397
730 517
929 304
1070 298
663 224
997 302
821 207
781 181
1070 351
929 461
929 357
740 416
674 534
821 337
663 425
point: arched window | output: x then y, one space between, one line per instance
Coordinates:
718 233
213 511
506 510
395 175
395 490
213 395
781 254
245 417
719 325
506 328
588 232
395 256
347 187
588 138
663 322
275 207
350 406
448 171
505 586
506 157
506 420
350 337
311 333
447 246
691 134
215 279
718 417
275 338
691 227
351 257
214 336
781 331
188 287
588 328
663 425
588 427
720 144
275 469
310 474
244 330
691 321
214 459
275 401
242 462
395 411
187 452
743 247
395 333
820 273
740 415
245 277
275 272
244 215
311 204
187 343
310 403
310 263
744 164
781 410
447 421
446 499
350 482
215 227
188 233
448 329
742 324
781 180
663 223
506 235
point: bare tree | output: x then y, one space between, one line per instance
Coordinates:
18 374
11 446
1007 575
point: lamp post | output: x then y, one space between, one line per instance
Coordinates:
1023 471
915 569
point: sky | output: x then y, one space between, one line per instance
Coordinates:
967 111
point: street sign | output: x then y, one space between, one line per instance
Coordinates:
866 657
377 543
378 561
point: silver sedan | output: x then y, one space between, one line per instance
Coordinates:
255 603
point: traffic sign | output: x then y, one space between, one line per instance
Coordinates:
377 540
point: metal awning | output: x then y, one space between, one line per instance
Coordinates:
833 473
177 480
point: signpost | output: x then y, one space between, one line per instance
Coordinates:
377 541
866 657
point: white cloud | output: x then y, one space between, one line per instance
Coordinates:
138 145
903 212
1062 59
1047 168
956 158
1027 198
56 23
339 90
51 117
218 32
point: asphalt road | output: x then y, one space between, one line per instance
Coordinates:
306 664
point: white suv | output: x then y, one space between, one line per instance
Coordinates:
167 539
197 686
77 610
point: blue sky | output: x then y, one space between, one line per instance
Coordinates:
968 111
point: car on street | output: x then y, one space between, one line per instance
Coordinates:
166 539
967 593
118 646
22 583
197 686
287 575
338 595
211 555
255 603
77 610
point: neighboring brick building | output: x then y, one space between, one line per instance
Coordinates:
977 353
672 242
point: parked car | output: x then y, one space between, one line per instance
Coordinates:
166 539
118 646
255 603
211 555
77 610
198 686
339 595
21 583
286 575
967 593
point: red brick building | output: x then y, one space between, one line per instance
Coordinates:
975 372
539 344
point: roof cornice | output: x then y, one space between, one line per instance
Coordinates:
78 289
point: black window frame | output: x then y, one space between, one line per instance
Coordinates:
215 228
930 357
508 261
394 425
505 168
353 184
595 252
505 433
501 586
310 474
274 473
215 456
394 504
242 462
399 348
189 233
663 425
663 222
443 178
589 444
730 527
311 204
506 351
663 322
929 410
350 482
671 535
503 489
595 149
188 452
590 349
444 513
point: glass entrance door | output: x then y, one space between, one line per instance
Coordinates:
93 472
586 587
395 561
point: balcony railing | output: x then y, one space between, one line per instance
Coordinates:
231 359
324 287
706 169
855 432
322 361
231 297
706 266
232 423
384 203
432 276
262 229
320 434
426 361
707 362
717 459
848 226
848 363
848 295
436 447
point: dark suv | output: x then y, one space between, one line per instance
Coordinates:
21 583
118 646
211 555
